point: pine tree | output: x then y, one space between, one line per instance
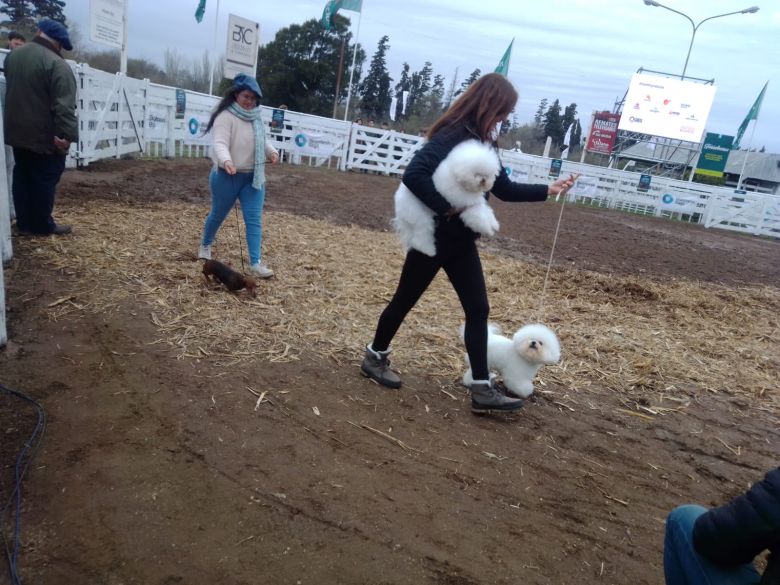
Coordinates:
404 84
539 116
451 91
569 115
18 13
476 74
552 123
49 9
375 89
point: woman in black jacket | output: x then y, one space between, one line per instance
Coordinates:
477 114
717 547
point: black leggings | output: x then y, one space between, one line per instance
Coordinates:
464 269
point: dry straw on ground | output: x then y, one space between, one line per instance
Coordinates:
637 337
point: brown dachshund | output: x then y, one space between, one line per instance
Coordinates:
230 278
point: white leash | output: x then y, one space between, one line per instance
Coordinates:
540 311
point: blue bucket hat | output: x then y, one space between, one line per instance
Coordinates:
56 31
242 81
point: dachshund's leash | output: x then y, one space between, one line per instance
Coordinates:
238 229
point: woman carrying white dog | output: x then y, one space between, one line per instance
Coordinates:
475 115
239 154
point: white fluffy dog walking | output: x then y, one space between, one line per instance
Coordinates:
517 360
463 177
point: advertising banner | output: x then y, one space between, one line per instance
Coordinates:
666 107
181 103
311 143
195 129
714 154
156 123
679 203
518 175
603 133
277 121
242 43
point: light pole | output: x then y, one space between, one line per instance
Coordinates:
750 10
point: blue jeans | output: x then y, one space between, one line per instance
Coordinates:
225 189
684 566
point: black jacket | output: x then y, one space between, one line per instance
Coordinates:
418 177
749 524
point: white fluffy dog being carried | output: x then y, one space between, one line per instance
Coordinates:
462 178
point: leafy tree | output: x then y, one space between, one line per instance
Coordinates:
299 67
375 89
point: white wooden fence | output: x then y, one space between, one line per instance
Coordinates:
119 116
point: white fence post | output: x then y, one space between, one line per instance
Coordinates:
5 230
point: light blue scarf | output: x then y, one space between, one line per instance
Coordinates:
253 116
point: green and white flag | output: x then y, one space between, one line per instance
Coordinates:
752 115
503 65
333 6
200 11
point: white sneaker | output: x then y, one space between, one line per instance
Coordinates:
204 253
261 270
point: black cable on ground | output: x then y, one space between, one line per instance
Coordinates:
240 243
22 463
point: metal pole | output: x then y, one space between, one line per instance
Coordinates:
750 10
123 59
352 72
688 56
747 153
338 76
214 58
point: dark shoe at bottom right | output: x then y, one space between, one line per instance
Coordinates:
487 398
61 229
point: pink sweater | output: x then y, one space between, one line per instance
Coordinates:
234 141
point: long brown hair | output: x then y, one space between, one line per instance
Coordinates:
489 98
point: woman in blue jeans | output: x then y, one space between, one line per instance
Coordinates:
239 153
717 546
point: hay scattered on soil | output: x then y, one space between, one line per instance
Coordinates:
651 342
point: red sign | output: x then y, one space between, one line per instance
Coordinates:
603 133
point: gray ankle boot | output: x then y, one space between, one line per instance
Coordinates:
376 365
486 398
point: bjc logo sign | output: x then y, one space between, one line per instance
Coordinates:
242 34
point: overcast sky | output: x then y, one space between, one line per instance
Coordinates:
582 51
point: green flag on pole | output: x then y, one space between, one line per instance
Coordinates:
200 11
503 65
751 115
333 6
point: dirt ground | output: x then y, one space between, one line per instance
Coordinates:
158 469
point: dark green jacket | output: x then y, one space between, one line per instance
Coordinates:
40 101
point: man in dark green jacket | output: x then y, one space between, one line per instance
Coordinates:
40 124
